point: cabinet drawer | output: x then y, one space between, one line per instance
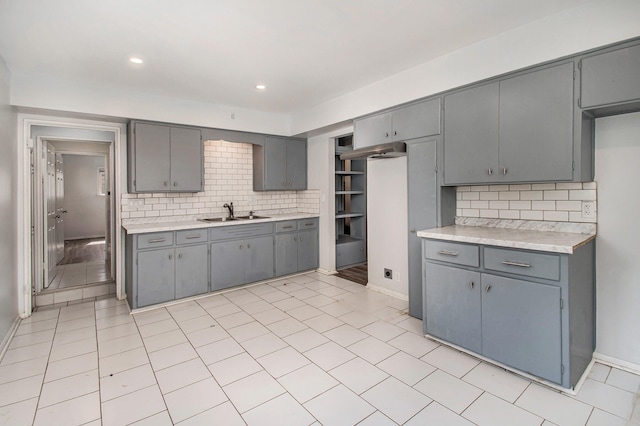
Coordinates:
240 231
539 265
156 239
310 223
460 254
286 226
191 236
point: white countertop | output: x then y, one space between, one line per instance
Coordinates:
142 226
549 241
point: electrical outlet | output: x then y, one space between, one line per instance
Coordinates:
588 209
388 273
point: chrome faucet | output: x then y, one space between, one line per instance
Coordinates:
230 208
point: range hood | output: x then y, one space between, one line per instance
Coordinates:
385 150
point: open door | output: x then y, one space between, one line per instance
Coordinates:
60 211
50 246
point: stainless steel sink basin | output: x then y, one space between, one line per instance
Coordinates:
252 217
218 219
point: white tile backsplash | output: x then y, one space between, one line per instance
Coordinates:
556 202
228 177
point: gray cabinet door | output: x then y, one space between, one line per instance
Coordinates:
156 277
286 254
296 165
611 77
471 135
521 325
227 264
422 209
453 306
186 159
152 157
307 250
415 121
275 163
372 130
192 270
258 259
536 126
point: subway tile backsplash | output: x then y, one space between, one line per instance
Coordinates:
228 177
555 202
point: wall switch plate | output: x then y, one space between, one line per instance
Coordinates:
388 273
588 209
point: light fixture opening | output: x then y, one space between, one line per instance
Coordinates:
260 86
135 60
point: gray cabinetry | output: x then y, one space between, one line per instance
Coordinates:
155 277
280 165
518 129
401 124
191 270
532 311
611 78
296 246
164 158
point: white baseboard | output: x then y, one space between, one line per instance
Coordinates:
617 363
325 272
388 292
7 338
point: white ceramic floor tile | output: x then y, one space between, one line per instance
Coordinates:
322 323
113 321
286 327
75 324
270 316
448 390
436 414
358 319
608 398
151 316
164 340
194 399
497 381
62 338
263 345
234 368
68 315
77 411
122 361
212 301
20 390
275 296
217 351
244 299
171 356
157 327
261 289
192 312
413 344
19 414
319 300
372 350
624 380
248 331
41 316
198 323
68 388
377 419
453 362
207 335
337 309
599 372
345 335
304 312
304 293
383 330
25 353
553 406
252 391
117 332
289 304
121 344
223 414
33 327
160 419
411 324
71 366
132 407
111 311
257 307
307 382
406 368
234 320
282 410
23 370
489 410
358 375
396 400
339 406
124 382
306 339
329 356
32 339
181 375
283 361
602 418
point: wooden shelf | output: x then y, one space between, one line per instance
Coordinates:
349 192
342 215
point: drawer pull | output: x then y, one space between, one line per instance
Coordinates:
518 264
487 288
309 224
471 284
157 240
287 227
448 253
192 237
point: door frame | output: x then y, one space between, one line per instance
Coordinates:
27 256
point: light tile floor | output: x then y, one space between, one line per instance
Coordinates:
309 349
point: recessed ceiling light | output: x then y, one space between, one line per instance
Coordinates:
135 60
260 86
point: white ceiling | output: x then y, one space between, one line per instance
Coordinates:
216 51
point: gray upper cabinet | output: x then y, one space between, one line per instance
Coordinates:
164 158
280 165
519 129
611 78
401 124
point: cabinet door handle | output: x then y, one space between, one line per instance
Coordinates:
192 237
157 240
287 227
471 284
301 238
487 288
413 231
295 238
241 247
179 255
490 171
386 134
248 246
518 264
448 253
504 170
175 183
395 133
170 257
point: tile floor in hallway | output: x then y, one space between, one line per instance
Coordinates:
309 349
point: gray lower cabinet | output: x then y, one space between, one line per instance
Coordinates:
242 261
533 311
307 250
155 277
296 246
280 165
191 270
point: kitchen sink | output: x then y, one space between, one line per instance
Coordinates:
252 217
218 219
